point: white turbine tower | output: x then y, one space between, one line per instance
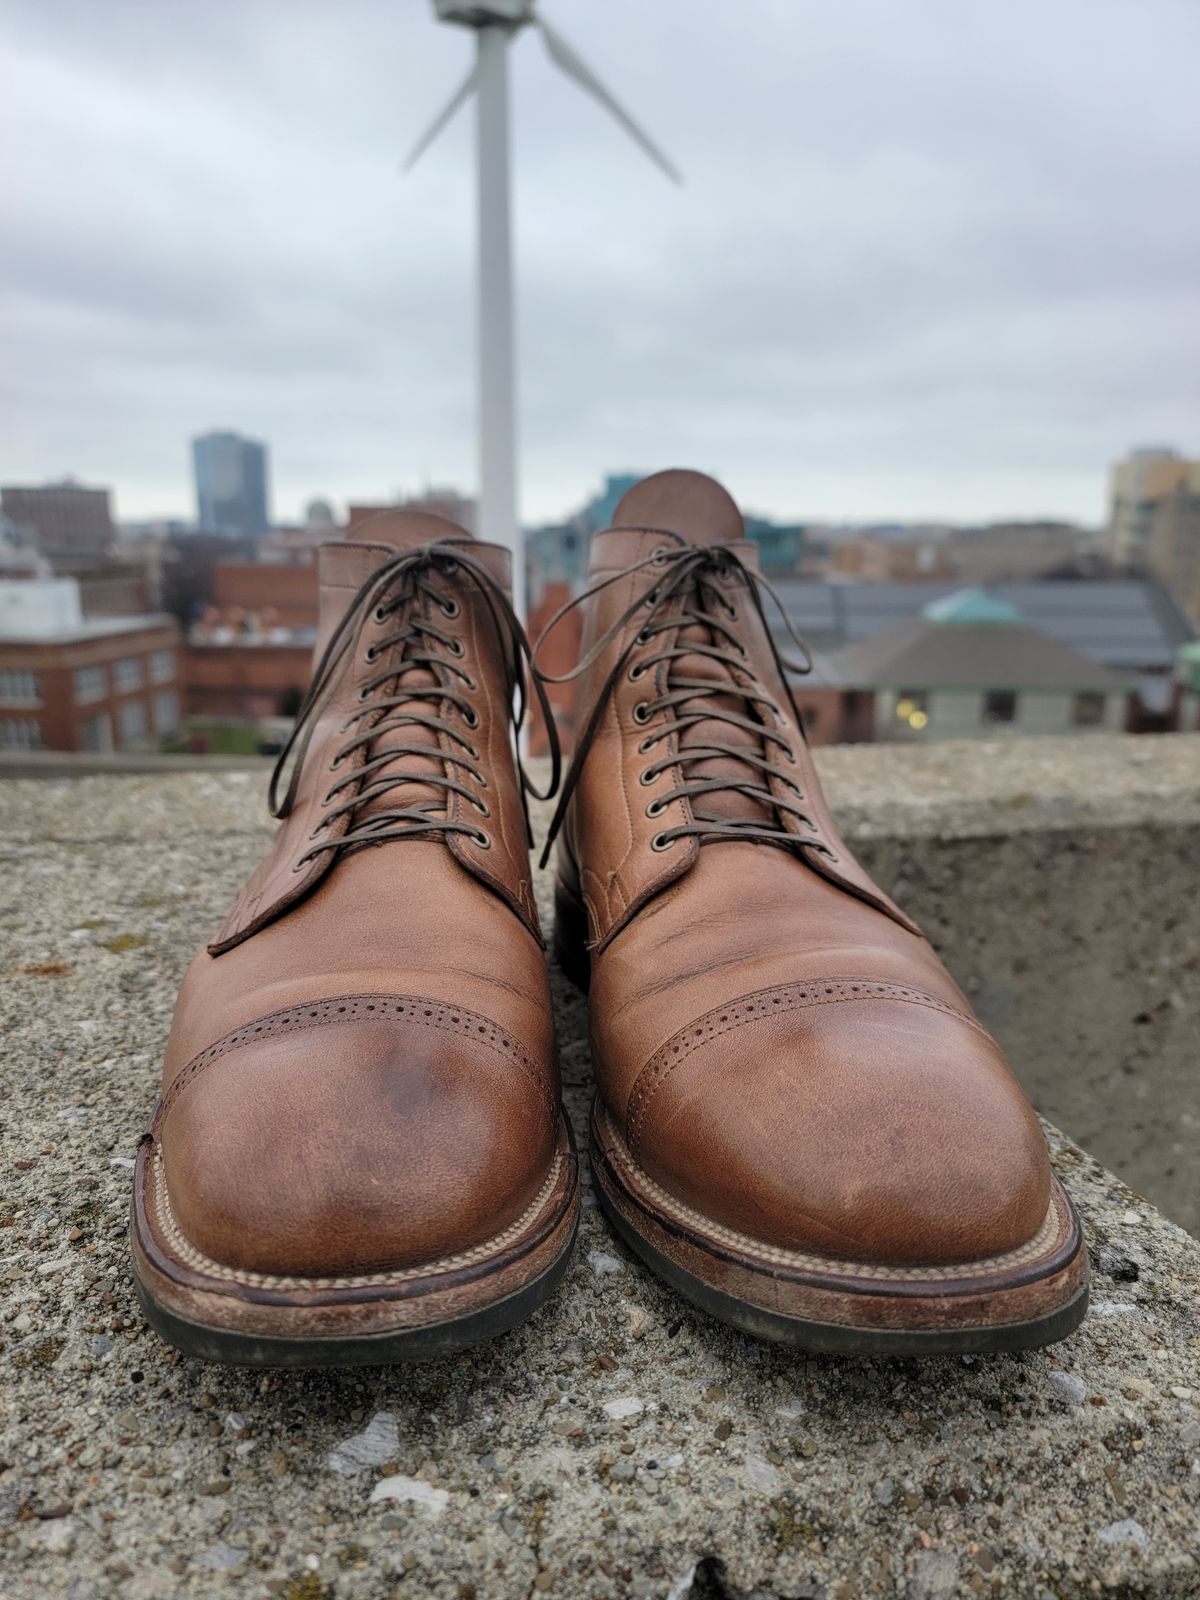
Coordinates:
495 23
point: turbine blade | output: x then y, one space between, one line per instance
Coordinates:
567 59
460 96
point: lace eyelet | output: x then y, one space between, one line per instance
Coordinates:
482 807
381 614
451 608
660 842
645 747
364 694
468 682
642 638
482 839
372 656
641 713
661 555
656 808
648 776
335 763
456 648
299 867
471 718
638 670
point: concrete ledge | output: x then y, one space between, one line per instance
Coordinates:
620 1444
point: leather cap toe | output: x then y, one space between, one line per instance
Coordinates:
369 1146
876 1130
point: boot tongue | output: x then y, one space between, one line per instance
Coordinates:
699 511
403 531
688 504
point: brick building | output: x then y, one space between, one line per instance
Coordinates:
70 682
67 522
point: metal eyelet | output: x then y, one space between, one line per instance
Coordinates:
645 747
638 670
642 638
648 775
481 806
482 839
381 614
471 718
299 867
451 608
364 694
372 655
456 647
335 763
641 713
660 556
656 808
468 682
660 842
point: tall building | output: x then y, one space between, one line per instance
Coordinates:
65 522
231 484
1138 485
1173 553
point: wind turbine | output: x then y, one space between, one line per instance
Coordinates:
496 23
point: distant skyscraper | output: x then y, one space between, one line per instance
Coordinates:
231 483
1139 484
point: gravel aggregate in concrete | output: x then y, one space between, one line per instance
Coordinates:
618 1445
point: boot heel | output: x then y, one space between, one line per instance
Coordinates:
570 936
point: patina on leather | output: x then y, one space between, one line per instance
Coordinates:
776 1045
360 1078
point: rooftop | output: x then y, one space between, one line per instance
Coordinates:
1126 625
621 1445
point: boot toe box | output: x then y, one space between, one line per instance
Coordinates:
870 1125
391 1141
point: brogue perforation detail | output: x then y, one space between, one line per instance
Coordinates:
1040 1245
358 1008
766 1003
187 1252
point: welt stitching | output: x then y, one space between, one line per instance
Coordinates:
322 1013
788 997
1033 1250
187 1252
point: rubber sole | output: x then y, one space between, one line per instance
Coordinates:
257 1320
378 1349
825 1306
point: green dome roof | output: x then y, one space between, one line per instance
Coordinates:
968 607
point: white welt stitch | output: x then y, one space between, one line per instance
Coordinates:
1038 1246
191 1257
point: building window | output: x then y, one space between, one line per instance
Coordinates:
19 688
162 666
90 684
166 712
127 674
912 709
1000 705
95 734
1087 710
20 733
131 721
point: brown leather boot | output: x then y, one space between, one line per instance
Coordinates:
800 1124
360 1152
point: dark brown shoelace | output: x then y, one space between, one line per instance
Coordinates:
422 684
704 626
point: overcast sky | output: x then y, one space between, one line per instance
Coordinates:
933 257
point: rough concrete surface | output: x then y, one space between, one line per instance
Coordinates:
620 1444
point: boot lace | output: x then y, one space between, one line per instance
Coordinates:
691 576
422 684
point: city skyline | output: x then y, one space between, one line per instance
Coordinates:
920 271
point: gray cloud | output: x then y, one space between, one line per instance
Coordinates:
937 258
